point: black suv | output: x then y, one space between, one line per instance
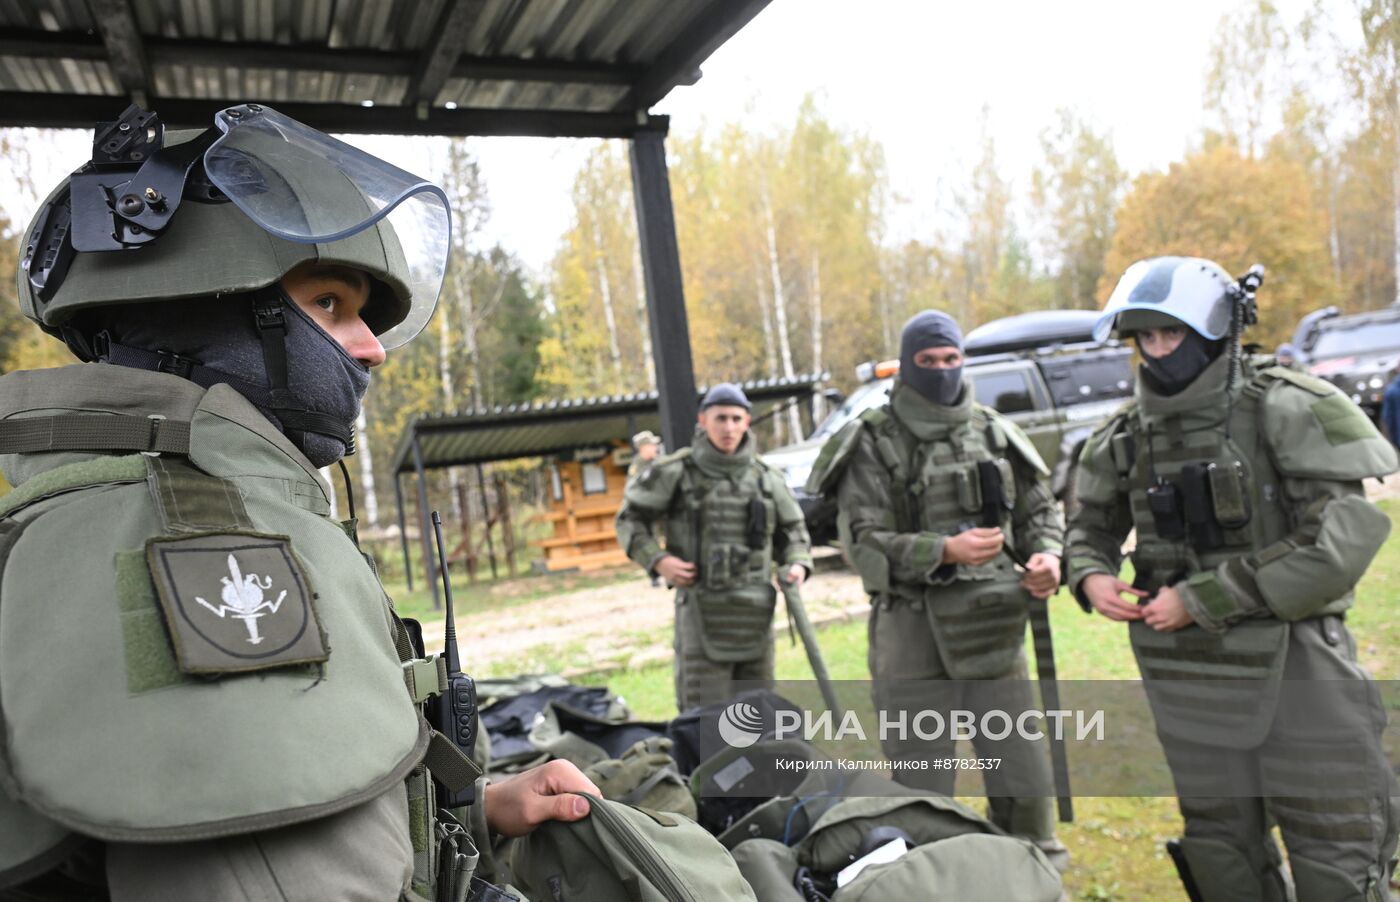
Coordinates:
1357 353
1043 370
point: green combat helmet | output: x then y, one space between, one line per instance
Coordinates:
190 218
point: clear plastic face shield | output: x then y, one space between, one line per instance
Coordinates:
294 182
302 185
1193 290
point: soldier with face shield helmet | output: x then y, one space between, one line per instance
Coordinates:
1244 486
206 693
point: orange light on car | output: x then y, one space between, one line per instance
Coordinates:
886 368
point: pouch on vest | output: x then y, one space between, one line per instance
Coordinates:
1228 495
623 854
1204 532
980 629
1213 689
969 868
736 624
1164 503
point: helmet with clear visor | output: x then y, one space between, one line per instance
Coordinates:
231 210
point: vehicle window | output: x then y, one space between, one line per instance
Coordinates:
1006 390
1084 378
1368 339
871 394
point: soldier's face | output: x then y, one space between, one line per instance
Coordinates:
1156 343
725 426
938 358
648 451
334 297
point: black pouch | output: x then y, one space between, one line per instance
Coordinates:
1228 496
996 503
1164 501
756 535
1199 511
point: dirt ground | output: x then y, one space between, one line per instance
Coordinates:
624 624
628 623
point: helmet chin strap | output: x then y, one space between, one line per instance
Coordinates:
269 319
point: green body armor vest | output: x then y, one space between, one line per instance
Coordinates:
725 526
978 613
1197 500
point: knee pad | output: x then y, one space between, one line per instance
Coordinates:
1220 871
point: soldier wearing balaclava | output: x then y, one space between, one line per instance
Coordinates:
945 509
1243 486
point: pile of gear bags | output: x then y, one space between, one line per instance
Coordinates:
688 817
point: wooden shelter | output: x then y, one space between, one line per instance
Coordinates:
584 497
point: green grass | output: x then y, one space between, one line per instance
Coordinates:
1116 842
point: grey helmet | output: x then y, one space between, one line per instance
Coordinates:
1194 292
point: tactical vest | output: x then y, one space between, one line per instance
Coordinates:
978 613
725 527
1198 498
106 697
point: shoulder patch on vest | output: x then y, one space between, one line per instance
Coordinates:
1017 440
235 602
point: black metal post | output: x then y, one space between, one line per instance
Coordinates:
661 263
403 530
424 528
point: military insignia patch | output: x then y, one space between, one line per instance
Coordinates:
235 602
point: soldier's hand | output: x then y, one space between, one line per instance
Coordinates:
1042 575
974 547
1105 593
796 575
519 804
1166 612
676 571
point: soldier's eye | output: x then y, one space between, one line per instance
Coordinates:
326 303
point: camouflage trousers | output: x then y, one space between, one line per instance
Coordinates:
1340 831
364 853
701 681
909 674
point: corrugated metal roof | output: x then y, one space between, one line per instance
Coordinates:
552 427
560 56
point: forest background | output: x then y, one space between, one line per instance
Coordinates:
787 263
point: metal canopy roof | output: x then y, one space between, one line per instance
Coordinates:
554 68
553 427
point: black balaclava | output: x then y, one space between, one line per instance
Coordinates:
220 336
1174 371
931 329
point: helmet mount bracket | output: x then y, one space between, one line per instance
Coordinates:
123 198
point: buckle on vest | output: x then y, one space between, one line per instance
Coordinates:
425 678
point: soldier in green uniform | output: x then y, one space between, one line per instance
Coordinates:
728 518
938 499
1245 488
206 693
647 445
